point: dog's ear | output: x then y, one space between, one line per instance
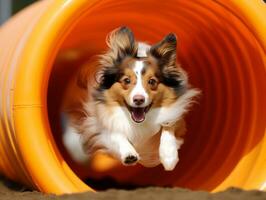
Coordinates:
165 51
121 43
172 74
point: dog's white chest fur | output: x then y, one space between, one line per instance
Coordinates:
144 137
137 133
117 120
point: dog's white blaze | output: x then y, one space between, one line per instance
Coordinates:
139 89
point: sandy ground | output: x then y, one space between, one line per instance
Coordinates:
11 191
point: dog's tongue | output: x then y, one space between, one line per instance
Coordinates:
138 114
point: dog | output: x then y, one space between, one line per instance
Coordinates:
135 110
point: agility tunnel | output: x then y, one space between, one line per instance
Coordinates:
222 46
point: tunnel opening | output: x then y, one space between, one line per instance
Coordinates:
223 59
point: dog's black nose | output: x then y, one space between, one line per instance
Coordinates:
138 99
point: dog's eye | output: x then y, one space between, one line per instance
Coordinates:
126 81
152 82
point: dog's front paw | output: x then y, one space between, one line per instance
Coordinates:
169 157
130 159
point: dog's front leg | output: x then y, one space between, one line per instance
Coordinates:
168 149
118 146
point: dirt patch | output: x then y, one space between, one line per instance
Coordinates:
12 191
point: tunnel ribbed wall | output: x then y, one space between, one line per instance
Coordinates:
222 46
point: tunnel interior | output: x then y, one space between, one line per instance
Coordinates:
223 59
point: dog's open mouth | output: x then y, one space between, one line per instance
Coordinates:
138 113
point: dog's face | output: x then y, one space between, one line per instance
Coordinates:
139 83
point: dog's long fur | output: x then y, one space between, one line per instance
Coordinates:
147 130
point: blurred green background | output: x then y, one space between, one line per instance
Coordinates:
19 4
10 7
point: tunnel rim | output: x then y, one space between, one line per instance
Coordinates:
53 18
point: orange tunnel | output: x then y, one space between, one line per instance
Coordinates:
222 45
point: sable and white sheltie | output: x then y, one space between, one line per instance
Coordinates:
135 110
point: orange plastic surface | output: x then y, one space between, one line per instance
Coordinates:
222 46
